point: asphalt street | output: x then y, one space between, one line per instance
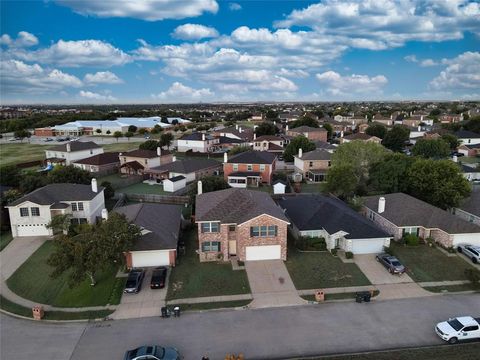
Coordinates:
259 334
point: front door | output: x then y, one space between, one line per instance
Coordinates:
232 247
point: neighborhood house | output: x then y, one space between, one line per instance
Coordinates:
70 152
249 168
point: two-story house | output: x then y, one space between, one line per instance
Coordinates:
30 215
69 152
268 143
139 161
313 165
240 223
310 133
249 168
107 162
238 132
197 142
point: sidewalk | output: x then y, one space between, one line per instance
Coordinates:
208 299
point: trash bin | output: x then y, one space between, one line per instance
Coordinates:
37 312
358 297
367 296
319 295
165 312
176 311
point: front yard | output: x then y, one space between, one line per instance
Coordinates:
5 238
190 278
317 270
429 264
142 188
32 281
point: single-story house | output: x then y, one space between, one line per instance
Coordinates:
471 173
469 149
469 210
191 169
106 162
315 215
360 137
174 183
160 225
468 137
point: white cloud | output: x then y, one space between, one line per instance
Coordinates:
234 6
462 72
19 77
96 96
295 73
411 58
150 10
178 92
194 32
428 63
24 39
102 77
339 85
76 54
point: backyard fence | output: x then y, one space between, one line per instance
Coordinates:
29 164
162 199
126 181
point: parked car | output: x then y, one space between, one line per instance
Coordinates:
391 263
280 158
60 139
152 352
158 278
48 139
470 251
457 154
460 328
134 281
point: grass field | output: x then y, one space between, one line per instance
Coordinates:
5 238
190 278
142 188
32 281
213 305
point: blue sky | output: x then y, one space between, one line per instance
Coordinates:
86 51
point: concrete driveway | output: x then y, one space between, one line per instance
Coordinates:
146 303
271 284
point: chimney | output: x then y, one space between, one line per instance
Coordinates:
419 128
341 134
203 137
381 205
240 130
94 185
225 157
391 117
455 158
286 127
199 187
236 126
254 136
69 148
104 214
174 158
300 152
159 151
254 127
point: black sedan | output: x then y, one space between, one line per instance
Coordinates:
152 352
134 281
391 263
158 278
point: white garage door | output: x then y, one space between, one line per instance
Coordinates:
150 258
473 239
267 252
367 246
32 230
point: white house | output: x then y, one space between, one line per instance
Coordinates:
175 183
30 215
197 142
468 137
72 151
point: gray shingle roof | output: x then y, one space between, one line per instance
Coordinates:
196 136
54 193
144 154
405 210
100 159
235 206
317 154
253 157
472 204
316 212
76 146
162 220
465 134
304 129
188 165
324 145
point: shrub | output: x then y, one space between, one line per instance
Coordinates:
411 239
430 242
334 252
451 250
308 243
388 250
349 255
473 275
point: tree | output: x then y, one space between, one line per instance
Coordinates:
239 149
32 181
329 129
69 174
209 183
10 195
377 130
266 128
473 124
396 138
22 134
305 121
132 129
438 182
117 135
94 249
108 132
128 135
98 131
431 148
108 192
166 140
452 140
342 181
10 175
143 131
390 175
271 115
300 142
149 145
60 223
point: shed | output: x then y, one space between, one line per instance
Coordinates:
175 183
279 187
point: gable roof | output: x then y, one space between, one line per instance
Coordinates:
253 157
268 138
304 129
187 166
360 136
317 154
405 210
100 159
197 136
161 220
144 154
235 206
316 212
54 193
324 145
246 134
472 204
465 134
76 146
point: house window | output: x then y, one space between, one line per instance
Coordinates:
249 167
211 227
91 152
235 167
311 164
263 231
411 230
257 144
146 161
329 163
211 246
262 167
231 228
23 212
74 206
78 221
80 206
371 215
35 211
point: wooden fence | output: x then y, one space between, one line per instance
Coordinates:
162 199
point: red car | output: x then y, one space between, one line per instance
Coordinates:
159 276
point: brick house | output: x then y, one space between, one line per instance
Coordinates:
310 133
313 165
240 223
399 214
268 143
139 161
101 163
249 168
360 137
469 150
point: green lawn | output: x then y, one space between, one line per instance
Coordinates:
113 179
313 188
32 281
469 160
190 278
142 188
429 264
312 270
5 238
213 305
121 146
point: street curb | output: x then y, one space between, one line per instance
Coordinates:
54 321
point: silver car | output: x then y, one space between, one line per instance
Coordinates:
470 251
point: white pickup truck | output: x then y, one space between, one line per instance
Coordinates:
460 328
